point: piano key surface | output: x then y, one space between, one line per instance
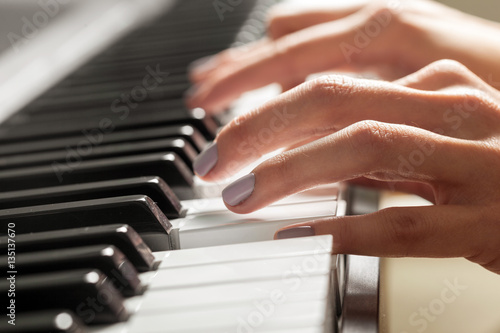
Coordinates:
153 187
121 236
289 280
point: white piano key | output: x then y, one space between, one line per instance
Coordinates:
261 316
306 280
293 290
329 192
247 251
114 328
224 227
123 328
147 277
287 268
133 304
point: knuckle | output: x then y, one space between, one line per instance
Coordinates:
449 65
384 9
473 101
451 70
406 228
389 16
333 89
371 136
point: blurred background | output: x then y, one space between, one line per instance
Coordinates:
12 12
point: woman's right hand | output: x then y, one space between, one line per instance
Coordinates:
434 133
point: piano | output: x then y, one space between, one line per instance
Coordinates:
105 228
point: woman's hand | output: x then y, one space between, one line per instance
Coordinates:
435 133
391 38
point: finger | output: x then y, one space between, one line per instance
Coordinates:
285 19
290 58
421 189
318 108
432 231
441 74
282 20
202 68
381 151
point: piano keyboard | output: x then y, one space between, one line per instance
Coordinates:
114 233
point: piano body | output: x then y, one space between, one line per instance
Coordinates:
105 228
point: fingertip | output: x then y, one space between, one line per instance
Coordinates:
202 65
239 191
206 160
295 231
190 93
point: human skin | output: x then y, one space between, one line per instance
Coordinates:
417 34
371 131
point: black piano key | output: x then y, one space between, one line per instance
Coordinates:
87 293
144 116
168 166
60 112
106 258
140 212
174 89
121 236
187 132
178 146
44 321
153 187
126 82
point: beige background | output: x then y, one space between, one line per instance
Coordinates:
489 9
409 284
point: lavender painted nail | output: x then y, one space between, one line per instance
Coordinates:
206 160
238 191
296 232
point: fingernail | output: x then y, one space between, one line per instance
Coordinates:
303 231
204 64
206 160
238 191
